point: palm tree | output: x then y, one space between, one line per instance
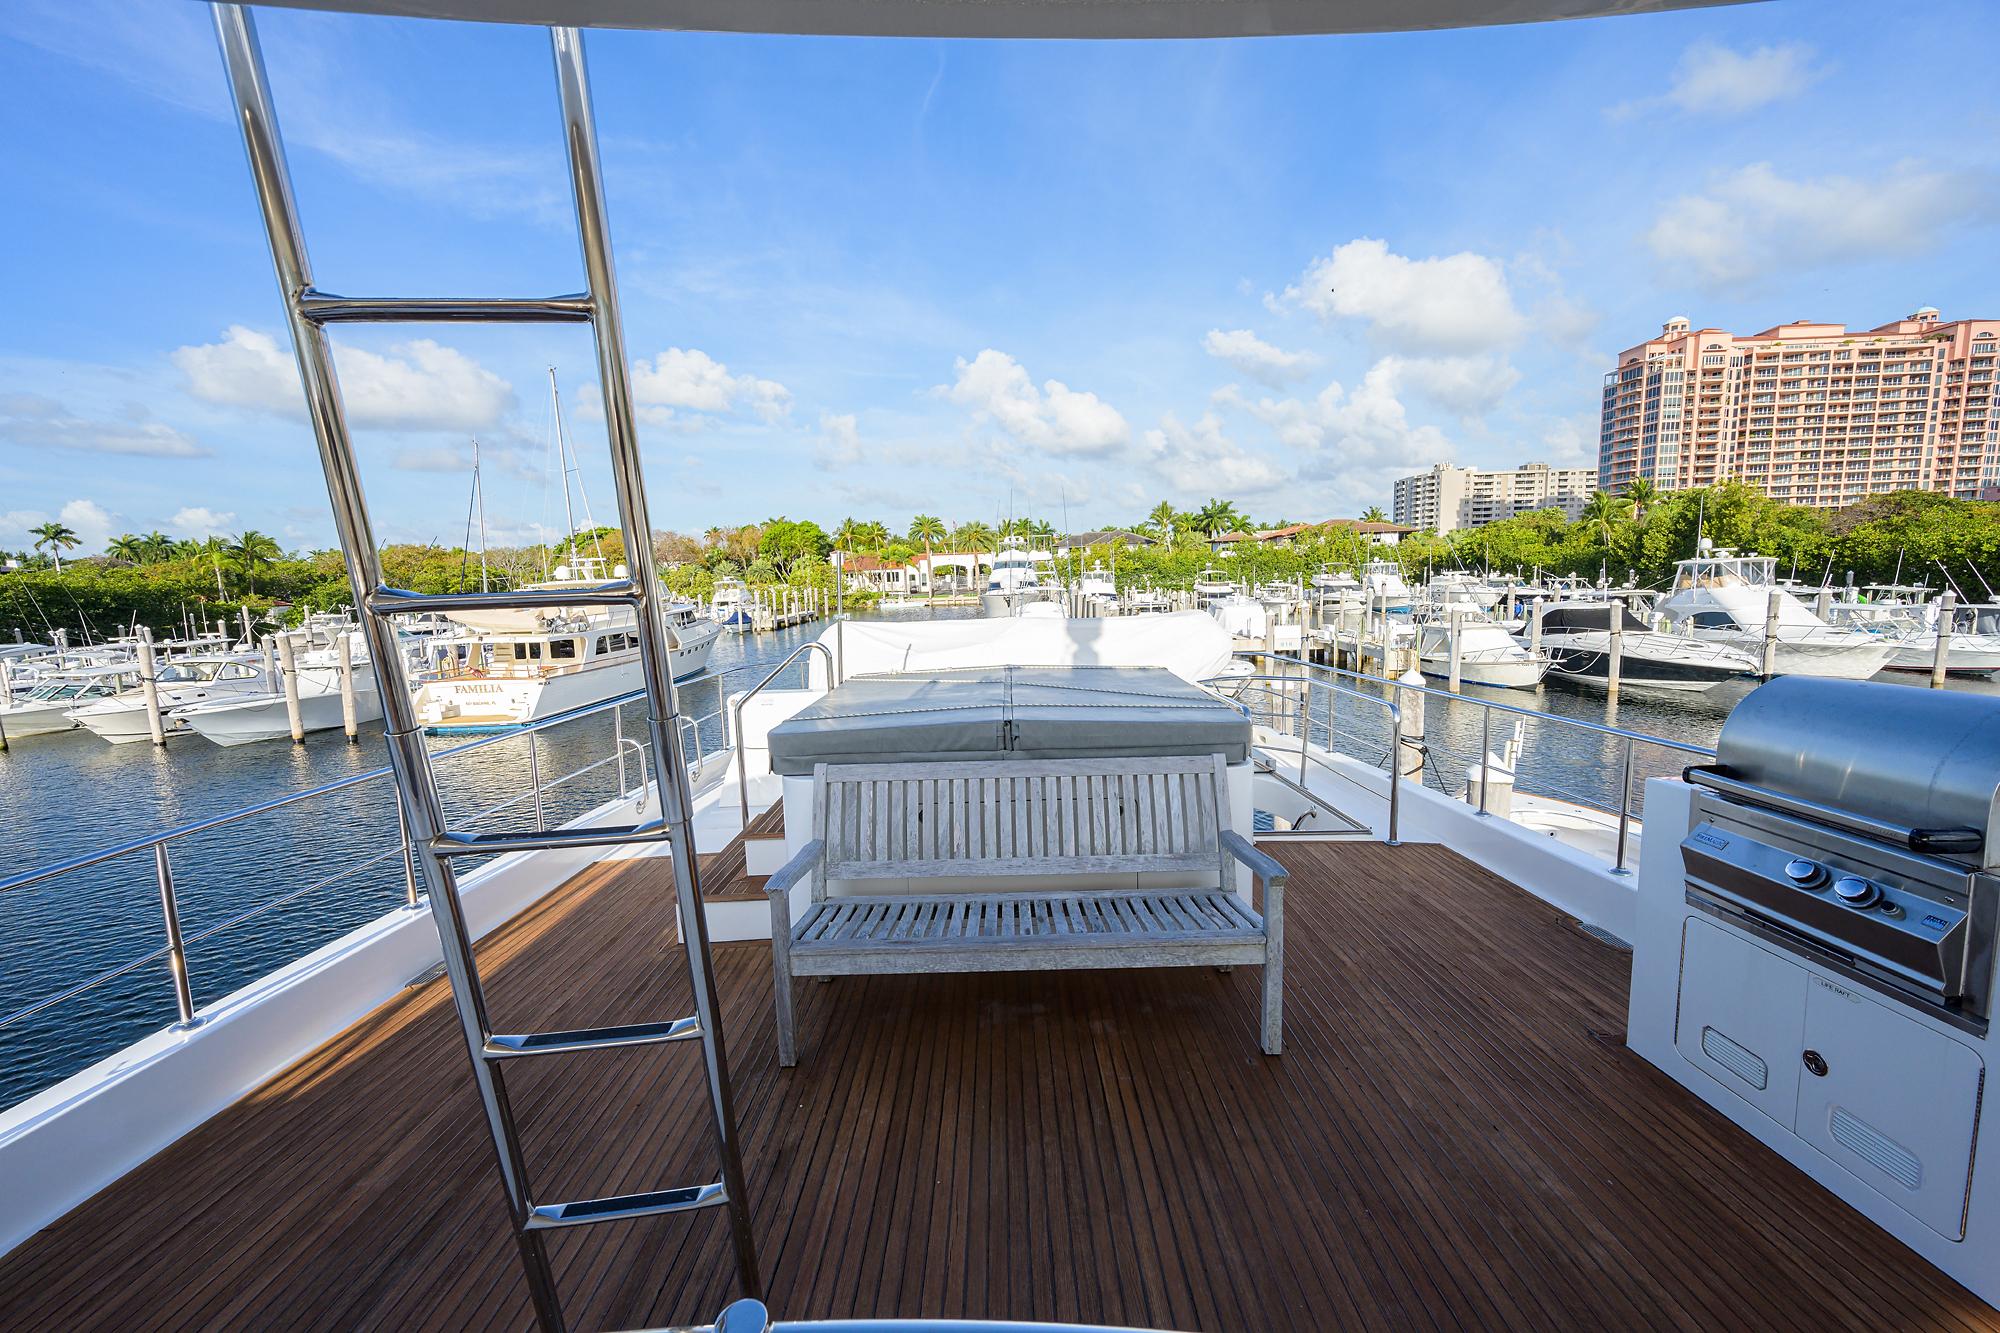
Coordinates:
156 545
56 538
847 536
1374 514
928 529
1602 514
252 553
1218 516
1640 493
1162 519
128 548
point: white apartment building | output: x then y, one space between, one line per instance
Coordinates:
1447 498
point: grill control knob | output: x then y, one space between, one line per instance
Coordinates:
1804 873
1856 892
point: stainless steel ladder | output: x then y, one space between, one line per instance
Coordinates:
309 311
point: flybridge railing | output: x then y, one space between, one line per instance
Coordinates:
1310 676
173 949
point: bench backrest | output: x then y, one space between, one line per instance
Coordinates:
1021 817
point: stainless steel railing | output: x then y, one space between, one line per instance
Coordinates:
174 950
1389 706
1627 739
742 769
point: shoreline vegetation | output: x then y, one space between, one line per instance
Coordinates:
153 580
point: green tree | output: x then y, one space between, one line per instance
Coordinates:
1374 514
1218 516
251 554
55 538
1162 521
1601 515
129 548
930 530
787 542
1641 494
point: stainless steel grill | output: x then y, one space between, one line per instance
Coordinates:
1860 824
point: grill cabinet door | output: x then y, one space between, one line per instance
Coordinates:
1742 1015
1897 1106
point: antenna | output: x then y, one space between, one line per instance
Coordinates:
562 462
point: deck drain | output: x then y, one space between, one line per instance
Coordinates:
1603 936
425 977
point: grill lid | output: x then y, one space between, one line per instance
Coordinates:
1922 760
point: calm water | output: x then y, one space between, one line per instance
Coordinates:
71 795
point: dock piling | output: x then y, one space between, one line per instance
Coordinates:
1940 656
288 675
1457 625
349 715
149 681
1769 666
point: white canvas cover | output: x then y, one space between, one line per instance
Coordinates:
1187 643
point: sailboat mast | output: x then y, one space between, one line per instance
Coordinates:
479 500
563 464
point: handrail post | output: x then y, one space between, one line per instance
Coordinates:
411 898
1485 756
1624 809
1395 772
535 781
163 870
618 746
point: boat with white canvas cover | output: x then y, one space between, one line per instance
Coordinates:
1728 598
1381 1059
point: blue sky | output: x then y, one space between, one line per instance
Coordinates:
884 277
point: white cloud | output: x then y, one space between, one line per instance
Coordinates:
1471 386
1716 81
689 379
1454 304
90 522
1754 221
1366 434
1202 460
196 521
840 442
419 385
34 422
1054 418
1252 356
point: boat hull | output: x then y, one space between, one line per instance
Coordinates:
1961 659
503 703
23 720
1842 659
1593 666
265 718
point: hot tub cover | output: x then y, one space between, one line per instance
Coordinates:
1010 712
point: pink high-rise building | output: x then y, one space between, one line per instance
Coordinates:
1808 413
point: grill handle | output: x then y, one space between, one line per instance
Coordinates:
1933 842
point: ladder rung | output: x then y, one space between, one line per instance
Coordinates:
622 1207
449 843
500 1047
325 308
399 601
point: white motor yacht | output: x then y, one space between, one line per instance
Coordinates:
730 606
266 714
1487 653
184 682
1972 646
1211 584
1014 582
516 667
1728 598
1383 587
1577 638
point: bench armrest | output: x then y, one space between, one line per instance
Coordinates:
1263 864
795 869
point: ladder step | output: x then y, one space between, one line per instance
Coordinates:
449 843
399 601
623 1207
500 1046
326 308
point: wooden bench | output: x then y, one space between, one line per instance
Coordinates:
1021 819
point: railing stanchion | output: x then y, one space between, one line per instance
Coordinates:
1485 756
535 781
1624 809
618 746
1395 773
412 899
177 962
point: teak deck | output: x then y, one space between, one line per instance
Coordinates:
1455 1138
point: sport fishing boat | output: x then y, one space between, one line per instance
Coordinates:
730 606
1972 642
1383 588
1577 638
520 666
1212 584
1735 599
184 682
1014 583
45 709
1182 970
